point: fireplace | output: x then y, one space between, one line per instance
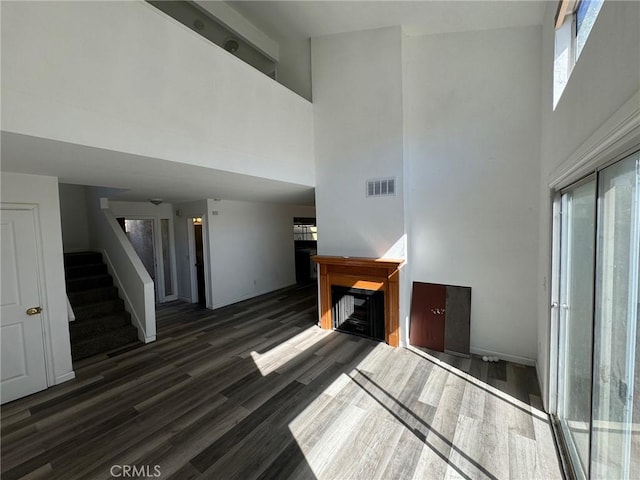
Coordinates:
358 311
373 284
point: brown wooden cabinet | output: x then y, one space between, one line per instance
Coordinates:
440 317
428 301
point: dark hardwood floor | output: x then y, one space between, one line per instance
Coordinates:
256 390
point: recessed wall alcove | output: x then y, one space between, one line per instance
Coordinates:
365 274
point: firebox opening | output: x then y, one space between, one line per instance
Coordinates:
358 311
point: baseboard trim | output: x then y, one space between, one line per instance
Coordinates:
543 394
136 321
249 296
505 356
65 378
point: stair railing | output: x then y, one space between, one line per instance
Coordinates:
129 274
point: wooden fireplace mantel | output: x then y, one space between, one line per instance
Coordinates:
365 273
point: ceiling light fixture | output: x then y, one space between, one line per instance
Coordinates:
231 45
156 201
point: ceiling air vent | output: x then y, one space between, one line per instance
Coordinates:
381 187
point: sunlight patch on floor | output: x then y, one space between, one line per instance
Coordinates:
492 435
479 383
281 354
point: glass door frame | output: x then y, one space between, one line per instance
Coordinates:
632 323
555 376
561 210
159 261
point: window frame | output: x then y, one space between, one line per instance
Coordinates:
567 50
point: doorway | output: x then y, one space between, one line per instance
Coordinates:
305 237
152 241
198 256
21 318
140 233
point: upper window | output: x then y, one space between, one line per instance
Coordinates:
586 14
574 20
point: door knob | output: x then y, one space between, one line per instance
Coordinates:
34 310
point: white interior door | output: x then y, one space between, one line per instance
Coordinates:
22 340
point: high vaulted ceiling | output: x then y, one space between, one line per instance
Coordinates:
317 18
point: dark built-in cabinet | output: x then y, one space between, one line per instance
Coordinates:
306 246
305 267
440 317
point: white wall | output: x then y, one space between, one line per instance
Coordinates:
249 245
294 67
252 249
73 213
605 77
357 92
472 138
456 119
140 209
123 76
43 192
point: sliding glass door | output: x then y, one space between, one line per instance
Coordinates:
616 420
599 340
576 318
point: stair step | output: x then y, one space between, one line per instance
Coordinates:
98 309
82 258
101 324
85 271
89 283
92 296
92 327
105 342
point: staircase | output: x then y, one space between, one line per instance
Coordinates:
101 323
